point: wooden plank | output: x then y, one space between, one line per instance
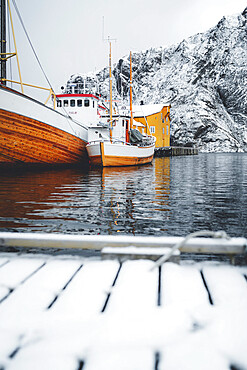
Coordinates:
3 261
36 293
226 284
136 288
36 357
182 286
87 293
13 273
120 359
193 352
228 289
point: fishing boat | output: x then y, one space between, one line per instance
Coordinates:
32 132
125 145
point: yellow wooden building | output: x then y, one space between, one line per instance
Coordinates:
155 119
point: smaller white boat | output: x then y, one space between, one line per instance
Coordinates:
125 145
115 153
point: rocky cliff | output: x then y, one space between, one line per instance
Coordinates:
204 78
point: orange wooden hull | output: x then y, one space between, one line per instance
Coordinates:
111 161
25 140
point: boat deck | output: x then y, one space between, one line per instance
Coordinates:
70 313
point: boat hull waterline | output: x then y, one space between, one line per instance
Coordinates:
107 154
32 133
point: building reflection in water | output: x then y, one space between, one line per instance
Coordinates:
162 184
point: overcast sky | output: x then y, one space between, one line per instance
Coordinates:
67 35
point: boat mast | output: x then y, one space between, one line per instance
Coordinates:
3 42
131 110
110 76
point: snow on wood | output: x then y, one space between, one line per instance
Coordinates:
74 313
121 359
3 261
182 286
36 293
15 272
88 291
227 285
136 288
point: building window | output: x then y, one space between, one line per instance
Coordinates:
65 103
79 103
72 103
59 103
152 129
86 103
163 130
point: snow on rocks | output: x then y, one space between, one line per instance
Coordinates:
205 79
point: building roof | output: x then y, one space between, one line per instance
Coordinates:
147 110
138 124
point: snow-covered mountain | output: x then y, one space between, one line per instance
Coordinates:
204 78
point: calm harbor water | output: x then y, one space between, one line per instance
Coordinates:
173 196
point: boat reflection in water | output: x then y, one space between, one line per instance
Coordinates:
133 197
100 201
172 196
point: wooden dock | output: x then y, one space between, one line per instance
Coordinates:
70 313
175 151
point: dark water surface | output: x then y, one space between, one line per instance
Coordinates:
173 196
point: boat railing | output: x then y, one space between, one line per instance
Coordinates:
51 92
109 140
142 144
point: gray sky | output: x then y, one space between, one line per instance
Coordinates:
67 35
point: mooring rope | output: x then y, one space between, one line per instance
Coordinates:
214 234
31 45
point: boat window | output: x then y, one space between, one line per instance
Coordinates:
86 103
59 103
65 103
79 103
93 103
72 103
123 123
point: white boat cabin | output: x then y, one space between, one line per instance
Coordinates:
84 108
120 128
102 129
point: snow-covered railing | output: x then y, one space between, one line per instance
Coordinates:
98 242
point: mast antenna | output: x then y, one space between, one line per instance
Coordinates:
110 72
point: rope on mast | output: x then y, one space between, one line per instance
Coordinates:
9 45
31 45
